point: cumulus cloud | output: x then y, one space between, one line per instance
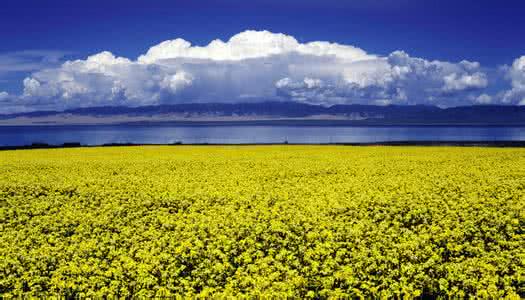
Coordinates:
176 82
10 103
483 99
395 79
255 66
516 75
455 82
250 44
3 95
104 79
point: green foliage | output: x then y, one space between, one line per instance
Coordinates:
268 221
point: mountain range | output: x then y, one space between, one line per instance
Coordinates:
277 112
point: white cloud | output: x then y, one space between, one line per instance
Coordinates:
483 99
516 75
176 82
104 79
3 95
252 66
457 82
250 44
396 79
10 103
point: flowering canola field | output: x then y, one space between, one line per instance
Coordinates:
280 221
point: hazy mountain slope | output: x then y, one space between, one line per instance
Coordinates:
268 111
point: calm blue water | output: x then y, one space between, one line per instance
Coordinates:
164 134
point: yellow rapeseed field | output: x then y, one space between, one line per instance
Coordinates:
280 221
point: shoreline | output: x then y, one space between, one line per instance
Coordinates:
299 122
497 144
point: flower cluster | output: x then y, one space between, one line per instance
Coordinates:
263 221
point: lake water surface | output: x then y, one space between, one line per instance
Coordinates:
239 134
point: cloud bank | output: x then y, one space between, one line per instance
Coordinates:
516 75
260 65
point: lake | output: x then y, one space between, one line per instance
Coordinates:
239 134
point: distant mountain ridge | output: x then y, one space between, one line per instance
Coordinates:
354 114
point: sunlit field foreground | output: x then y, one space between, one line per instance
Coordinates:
298 221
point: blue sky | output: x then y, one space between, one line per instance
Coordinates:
41 35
